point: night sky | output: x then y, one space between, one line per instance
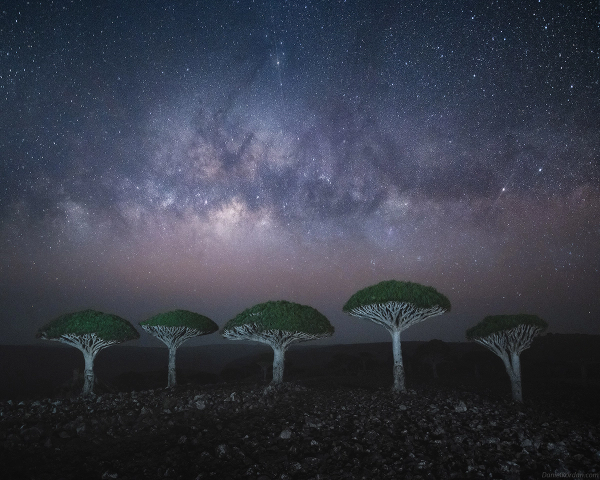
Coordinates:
216 154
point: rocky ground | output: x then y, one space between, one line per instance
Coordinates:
299 431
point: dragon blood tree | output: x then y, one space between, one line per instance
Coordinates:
396 306
507 336
90 331
433 353
278 324
175 327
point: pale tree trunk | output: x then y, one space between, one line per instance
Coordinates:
89 344
172 381
278 364
513 368
398 365
88 373
517 391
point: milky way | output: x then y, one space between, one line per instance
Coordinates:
214 155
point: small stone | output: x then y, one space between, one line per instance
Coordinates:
312 461
285 434
460 407
222 450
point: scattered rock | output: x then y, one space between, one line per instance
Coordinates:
222 451
291 432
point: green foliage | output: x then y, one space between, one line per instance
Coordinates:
499 323
105 325
419 295
182 318
284 316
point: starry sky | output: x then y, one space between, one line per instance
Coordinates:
216 154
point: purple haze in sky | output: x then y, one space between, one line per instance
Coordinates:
213 155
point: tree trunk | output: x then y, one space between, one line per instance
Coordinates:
398 365
88 373
172 381
513 368
515 379
278 364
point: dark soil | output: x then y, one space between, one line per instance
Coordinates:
309 430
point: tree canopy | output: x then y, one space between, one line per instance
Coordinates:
284 316
420 296
498 323
105 326
182 318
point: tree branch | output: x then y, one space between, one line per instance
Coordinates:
395 315
89 342
513 340
278 338
172 336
